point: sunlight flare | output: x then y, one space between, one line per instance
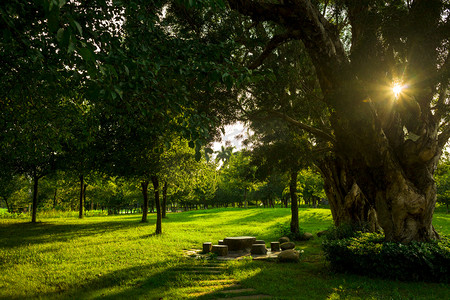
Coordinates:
397 89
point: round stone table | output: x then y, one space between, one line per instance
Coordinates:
239 243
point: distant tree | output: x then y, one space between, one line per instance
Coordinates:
442 177
311 184
237 179
8 185
224 154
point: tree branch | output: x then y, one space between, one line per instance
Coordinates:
444 136
315 131
306 23
276 41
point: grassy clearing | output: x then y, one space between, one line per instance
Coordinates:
117 257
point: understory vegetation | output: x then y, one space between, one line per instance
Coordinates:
369 254
117 256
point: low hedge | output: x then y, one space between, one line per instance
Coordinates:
369 254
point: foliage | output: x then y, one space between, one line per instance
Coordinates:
311 185
236 179
442 177
285 230
344 231
369 254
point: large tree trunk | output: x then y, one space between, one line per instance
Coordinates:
158 205
393 173
295 227
144 185
35 198
164 202
347 203
81 207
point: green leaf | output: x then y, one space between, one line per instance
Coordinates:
53 20
87 54
78 26
118 91
208 152
71 46
198 155
60 34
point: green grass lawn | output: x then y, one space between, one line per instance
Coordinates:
117 257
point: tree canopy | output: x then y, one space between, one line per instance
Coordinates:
111 86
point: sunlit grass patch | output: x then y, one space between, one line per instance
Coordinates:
118 257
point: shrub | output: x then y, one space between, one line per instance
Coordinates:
285 230
345 230
369 254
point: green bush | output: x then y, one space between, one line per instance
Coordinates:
345 230
285 230
369 254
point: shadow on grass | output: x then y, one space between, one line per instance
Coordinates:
19 234
151 281
99 286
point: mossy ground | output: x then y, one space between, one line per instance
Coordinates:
117 257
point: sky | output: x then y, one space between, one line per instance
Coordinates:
231 134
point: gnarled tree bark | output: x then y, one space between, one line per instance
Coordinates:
347 202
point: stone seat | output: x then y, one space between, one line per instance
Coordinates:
259 249
220 250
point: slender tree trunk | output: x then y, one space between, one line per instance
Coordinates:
54 198
7 205
245 199
84 193
295 228
81 207
164 202
158 205
144 185
35 198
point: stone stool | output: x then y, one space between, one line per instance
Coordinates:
259 242
259 249
220 250
221 242
207 247
275 246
